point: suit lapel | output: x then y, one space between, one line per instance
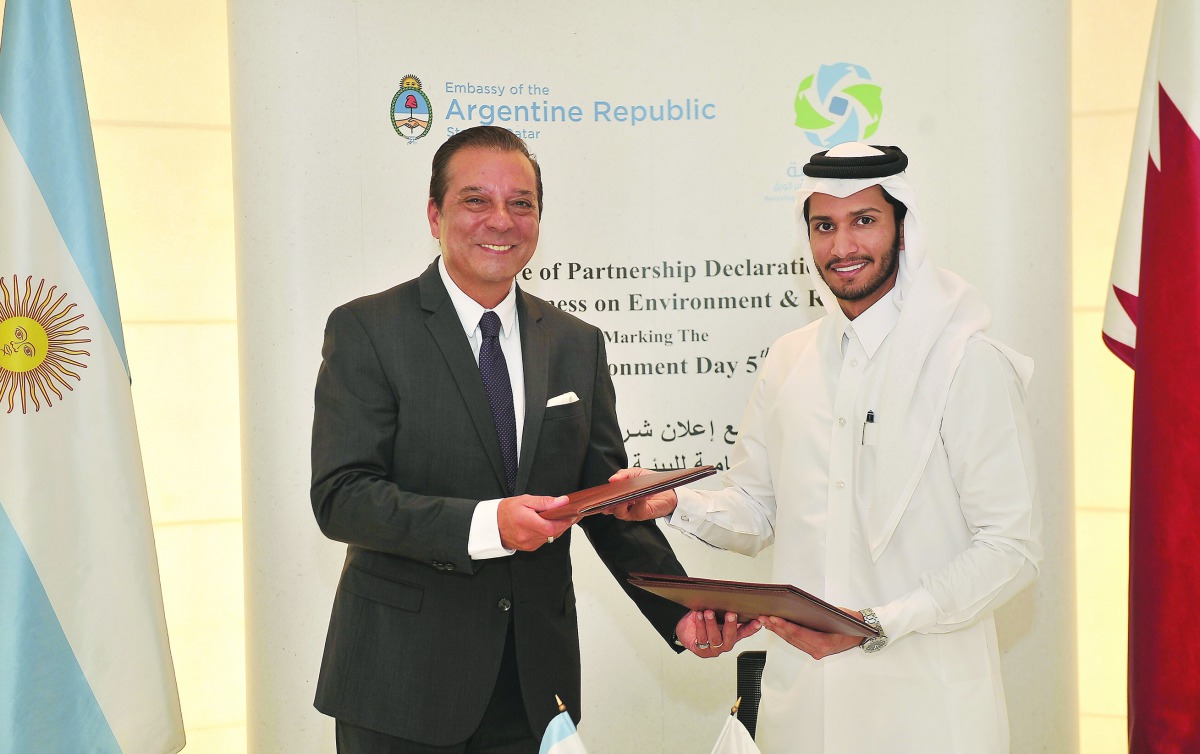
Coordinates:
535 346
447 331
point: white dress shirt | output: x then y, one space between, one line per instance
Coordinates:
484 540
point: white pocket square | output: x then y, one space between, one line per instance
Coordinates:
562 400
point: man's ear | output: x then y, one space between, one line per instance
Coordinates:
435 218
901 236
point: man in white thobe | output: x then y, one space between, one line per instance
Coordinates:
885 450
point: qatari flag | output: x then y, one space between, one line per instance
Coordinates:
1152 323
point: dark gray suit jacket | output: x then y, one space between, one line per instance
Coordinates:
403 449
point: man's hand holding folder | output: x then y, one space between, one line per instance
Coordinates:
816 644
643 508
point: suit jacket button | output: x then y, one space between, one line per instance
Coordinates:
504 604
448 566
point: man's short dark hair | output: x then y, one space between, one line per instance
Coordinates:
478 137
899 210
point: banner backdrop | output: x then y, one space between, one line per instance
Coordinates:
671 137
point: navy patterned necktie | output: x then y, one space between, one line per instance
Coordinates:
494 370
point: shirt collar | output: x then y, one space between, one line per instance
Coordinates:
469 311
872 326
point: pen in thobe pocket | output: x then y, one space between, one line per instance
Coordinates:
869 422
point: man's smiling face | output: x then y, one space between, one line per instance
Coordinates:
488 223
856 246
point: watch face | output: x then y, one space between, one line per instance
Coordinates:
874 644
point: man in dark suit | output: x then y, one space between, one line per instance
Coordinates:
441 431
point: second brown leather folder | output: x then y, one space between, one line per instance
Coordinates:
750 600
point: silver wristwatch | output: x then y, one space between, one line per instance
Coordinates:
873 643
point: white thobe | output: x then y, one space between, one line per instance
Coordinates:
802 475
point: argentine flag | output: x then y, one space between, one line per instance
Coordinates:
560 736
84 661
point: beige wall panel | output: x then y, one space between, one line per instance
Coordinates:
168 199
1098 734
1101 144
226 740
1102 575
153 61
185 393
201 566
1103 399
1109 41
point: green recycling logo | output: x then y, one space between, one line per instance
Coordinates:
838 103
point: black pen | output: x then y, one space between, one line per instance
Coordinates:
870 420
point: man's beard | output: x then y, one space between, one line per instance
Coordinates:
887 267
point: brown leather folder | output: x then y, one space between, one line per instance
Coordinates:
595 499
751 600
